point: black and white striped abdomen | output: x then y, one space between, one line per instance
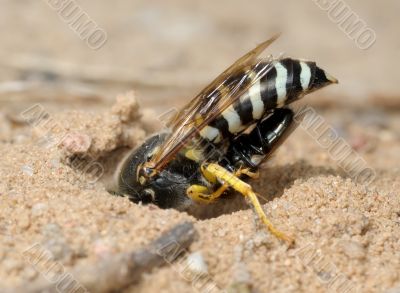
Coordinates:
286 81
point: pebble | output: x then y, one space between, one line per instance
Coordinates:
27 170
196 264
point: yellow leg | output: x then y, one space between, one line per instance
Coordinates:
202 194
246 171
246 190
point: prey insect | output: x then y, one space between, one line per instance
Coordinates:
220 138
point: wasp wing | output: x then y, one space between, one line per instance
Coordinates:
209 103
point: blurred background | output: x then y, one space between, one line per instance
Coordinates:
168 50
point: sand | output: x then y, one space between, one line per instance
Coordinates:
346 233
68 115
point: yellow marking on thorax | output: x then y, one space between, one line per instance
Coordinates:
194 154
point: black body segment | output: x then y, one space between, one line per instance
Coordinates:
268 90
250 150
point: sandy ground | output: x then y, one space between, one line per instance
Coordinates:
62 125
341 227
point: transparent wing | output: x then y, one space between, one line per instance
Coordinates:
212 101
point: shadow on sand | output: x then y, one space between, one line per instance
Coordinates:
272 183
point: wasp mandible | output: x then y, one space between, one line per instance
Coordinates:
221 137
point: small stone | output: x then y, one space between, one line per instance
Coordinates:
196 264
27 170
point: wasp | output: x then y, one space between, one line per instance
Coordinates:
218 140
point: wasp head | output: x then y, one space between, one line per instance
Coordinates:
138 180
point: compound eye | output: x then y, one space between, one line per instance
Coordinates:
148 195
